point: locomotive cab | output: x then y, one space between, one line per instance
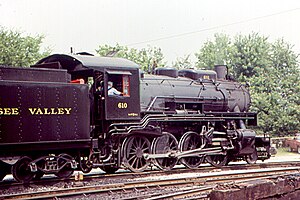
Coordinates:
99 73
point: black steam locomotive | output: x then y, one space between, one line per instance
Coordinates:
60 115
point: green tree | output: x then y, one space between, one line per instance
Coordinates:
271 68
243 54
250 53
147 58
216 52
183 63
19 50
277 91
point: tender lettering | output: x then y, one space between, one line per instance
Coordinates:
68 111
60 111
53 112
9 111
32 110
47 112
50 111
15 111
37 111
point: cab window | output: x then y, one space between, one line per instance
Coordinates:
118 85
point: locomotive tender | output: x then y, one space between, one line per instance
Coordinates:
57 116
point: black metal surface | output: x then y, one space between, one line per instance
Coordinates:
166 71
247 139
34 74
39 113
158 91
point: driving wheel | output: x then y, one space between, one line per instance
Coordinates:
134 148
166 143
189 141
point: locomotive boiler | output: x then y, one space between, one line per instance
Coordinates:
58 116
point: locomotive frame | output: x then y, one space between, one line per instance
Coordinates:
162 119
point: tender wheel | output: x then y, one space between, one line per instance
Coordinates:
38 175
252 158
217 160
2 174
84 164
298 149
4 169
165 144
290 149
66 171
133 149
109 169
189 141
21 170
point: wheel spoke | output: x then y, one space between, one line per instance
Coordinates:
141 163
132 157
132 152
164 144
145 150
143 144
135 147
139 142
135 163
134 144
189 141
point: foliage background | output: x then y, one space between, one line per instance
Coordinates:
19 50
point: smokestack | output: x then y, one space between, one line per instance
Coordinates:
221 71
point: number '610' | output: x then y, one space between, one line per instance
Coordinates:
122 105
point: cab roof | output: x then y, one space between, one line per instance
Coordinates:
82 62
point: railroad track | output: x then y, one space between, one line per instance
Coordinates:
129 175
167 187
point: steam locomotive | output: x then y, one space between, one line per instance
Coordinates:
57 116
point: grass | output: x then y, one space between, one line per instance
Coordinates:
284 152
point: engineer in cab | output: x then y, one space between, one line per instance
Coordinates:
111 91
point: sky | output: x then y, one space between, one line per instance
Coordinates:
178 27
